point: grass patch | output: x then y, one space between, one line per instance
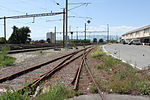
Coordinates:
97 53
119 77
4 59
58 92
93 89
12 95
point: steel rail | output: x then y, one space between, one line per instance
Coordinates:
77 75
51 72
20 73
48 74
94 81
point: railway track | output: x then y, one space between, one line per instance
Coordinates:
65 69
17 80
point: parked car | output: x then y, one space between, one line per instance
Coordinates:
135 42
125 41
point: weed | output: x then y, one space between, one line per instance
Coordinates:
97 53
41 52
100 67
143 87
93 89
122 78
12 95
58 92
4 59
123 86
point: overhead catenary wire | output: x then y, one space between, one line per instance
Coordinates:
82 4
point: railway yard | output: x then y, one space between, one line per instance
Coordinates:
74 50
79 69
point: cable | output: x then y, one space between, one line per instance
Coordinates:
10 9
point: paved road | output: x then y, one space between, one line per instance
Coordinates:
137 55
110 97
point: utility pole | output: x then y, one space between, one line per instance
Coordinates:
66 23
107 32
85 32
5 27
64 27
77 33
55 35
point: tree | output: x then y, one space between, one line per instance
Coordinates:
94 40
101 40
49 40
20 35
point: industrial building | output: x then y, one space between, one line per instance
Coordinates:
143 34
51 36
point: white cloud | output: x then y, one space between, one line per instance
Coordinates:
114 30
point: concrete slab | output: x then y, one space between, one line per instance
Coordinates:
110 97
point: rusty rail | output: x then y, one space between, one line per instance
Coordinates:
75 80
20 73
51 72
76 77
94 81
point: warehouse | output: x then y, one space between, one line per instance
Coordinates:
143 34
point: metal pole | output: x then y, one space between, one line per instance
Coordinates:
107 32
64 27
77 33
5 27
55 35
85 31
66 23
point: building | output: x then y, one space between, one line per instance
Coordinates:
143 34
51 36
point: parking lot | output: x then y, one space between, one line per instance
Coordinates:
136 55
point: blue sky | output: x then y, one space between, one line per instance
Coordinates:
121 15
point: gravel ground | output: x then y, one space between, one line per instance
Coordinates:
66 75
28 59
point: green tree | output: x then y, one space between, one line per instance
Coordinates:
94 40
49 40
101 40
20 35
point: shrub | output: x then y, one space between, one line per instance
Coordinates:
41 41
94 40
81 41
101 40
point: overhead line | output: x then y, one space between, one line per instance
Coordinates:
33 15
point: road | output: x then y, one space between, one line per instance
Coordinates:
110 97
136 55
